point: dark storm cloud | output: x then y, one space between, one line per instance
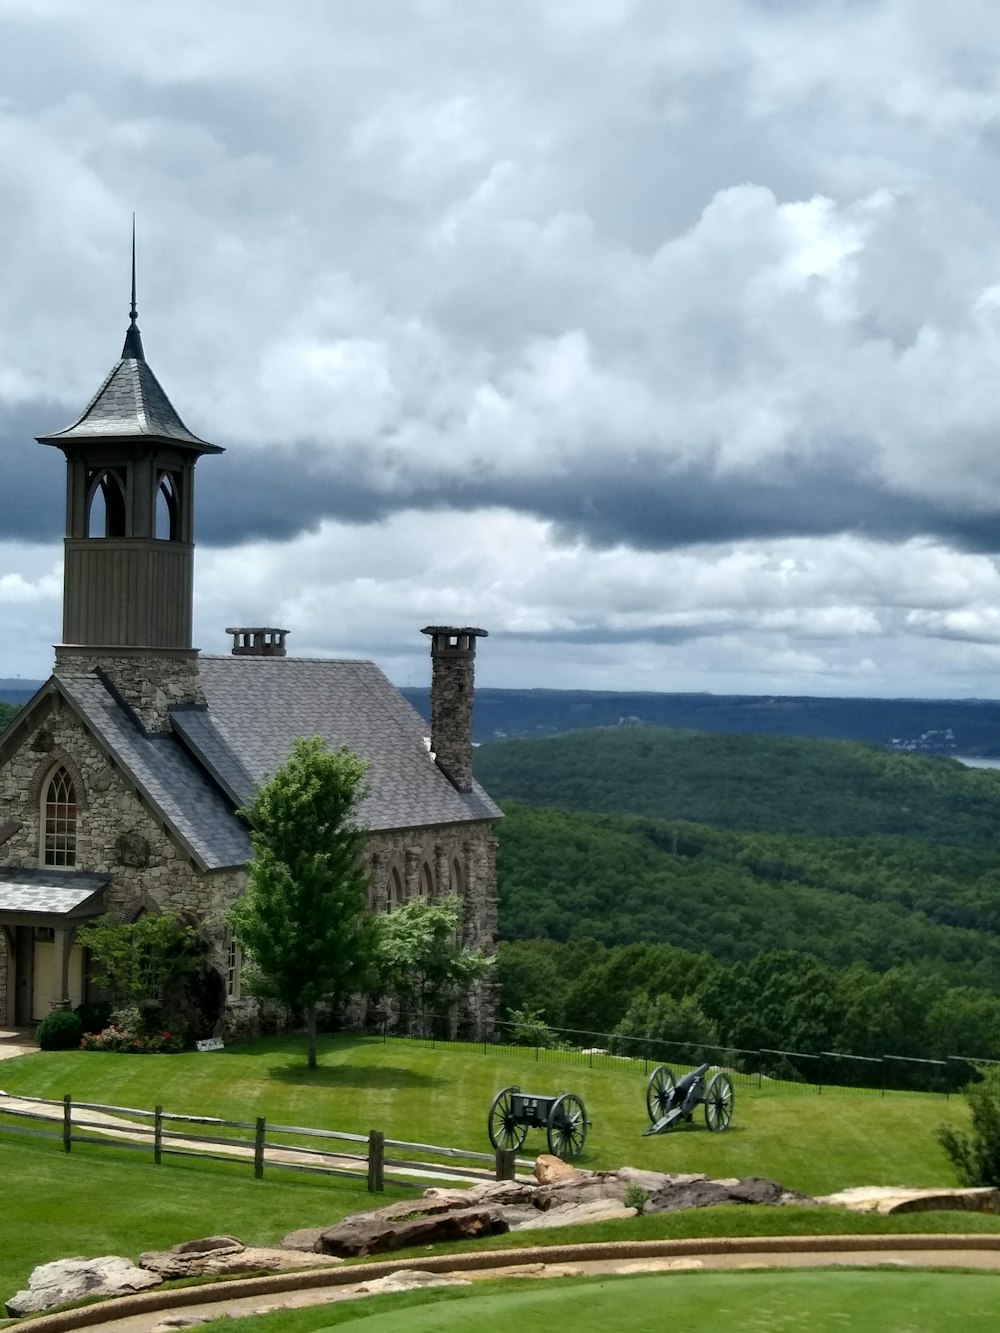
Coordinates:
252 494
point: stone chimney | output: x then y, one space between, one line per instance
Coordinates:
258 641
453 655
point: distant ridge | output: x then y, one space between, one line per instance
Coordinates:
16 690
912 726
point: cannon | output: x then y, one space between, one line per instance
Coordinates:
563 1117
669 1100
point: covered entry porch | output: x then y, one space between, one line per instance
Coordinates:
41 966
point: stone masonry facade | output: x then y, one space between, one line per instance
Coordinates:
119 835
150 683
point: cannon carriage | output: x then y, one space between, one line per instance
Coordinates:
562 1116
670 1100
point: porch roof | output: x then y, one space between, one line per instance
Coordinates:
38 896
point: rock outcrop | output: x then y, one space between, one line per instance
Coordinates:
566 1196
74 1279
222 1256
704 1193
887 1199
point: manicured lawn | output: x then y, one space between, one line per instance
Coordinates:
810 1142
823 1302
105 1201
108 1200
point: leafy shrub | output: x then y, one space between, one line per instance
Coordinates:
130 1041
527 1027
636 1197
976 1155
59 1031
94 1014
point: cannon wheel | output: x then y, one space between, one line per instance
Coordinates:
505 1131
659 1092
719 1098
567 1126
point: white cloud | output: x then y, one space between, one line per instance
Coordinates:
606 306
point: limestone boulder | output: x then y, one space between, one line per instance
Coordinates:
888 1199
549 1170
373 1233
76 1279
705 1193
222 1256
410 1279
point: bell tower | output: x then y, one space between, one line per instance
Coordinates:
129 546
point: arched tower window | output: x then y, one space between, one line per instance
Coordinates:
59 814
167 525
105 503
395 896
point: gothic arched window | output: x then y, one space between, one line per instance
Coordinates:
167 525
59 812
395 895
105 504
426 881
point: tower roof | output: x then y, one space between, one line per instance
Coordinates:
130 405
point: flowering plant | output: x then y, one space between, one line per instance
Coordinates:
129 1041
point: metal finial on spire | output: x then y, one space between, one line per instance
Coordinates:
133 313
133 339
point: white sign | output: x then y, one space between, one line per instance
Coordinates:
210 1044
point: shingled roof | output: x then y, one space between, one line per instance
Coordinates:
200 816
129 405
257 706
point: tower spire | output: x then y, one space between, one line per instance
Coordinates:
132 351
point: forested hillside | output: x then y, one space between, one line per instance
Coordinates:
621 879
7 712
801 895
839 789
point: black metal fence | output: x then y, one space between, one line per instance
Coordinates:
759 1066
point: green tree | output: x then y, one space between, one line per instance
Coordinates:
976 1154
302 919
140 959
420 961
667 1029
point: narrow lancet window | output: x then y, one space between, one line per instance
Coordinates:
59 818
167 508
105 504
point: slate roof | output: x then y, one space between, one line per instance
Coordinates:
257 706
130 404
50 893
200 816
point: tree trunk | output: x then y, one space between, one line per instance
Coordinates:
311 1035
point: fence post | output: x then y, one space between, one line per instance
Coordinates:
505 1164
376 1161
258 1149
67 1123
158 1135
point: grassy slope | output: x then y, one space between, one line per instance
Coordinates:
100 1201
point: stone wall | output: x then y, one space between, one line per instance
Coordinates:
4 973
118 835
150 683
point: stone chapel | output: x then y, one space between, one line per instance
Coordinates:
120 779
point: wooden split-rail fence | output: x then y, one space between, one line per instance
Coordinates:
164 1134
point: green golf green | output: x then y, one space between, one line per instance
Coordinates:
865 1301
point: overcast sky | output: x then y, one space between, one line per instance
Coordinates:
660 339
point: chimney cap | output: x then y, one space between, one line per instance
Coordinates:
470 630
258 640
